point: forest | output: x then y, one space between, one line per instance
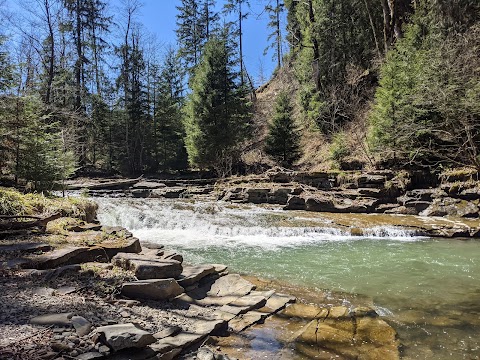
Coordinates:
376 84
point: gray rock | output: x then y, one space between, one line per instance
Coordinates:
53 319
65 290
231 284
170 255
44 291
154 289
57 257
81 325
246 320
193 274
148 268
123 336
295 203
25 247
168 331
205 354
277 302
91 355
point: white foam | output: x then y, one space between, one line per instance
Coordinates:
204 224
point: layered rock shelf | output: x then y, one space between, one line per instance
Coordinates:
450 203
118 299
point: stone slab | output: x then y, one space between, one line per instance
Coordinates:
124 336
231 284
246 320
53 319
153 289
193 274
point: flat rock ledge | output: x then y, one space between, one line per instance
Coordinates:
184 305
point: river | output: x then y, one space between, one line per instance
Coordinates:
427 289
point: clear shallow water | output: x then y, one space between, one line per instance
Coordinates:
429 289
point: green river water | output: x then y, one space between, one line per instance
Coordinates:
427 289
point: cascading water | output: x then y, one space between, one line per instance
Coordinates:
429 289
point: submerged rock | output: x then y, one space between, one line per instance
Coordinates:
356 334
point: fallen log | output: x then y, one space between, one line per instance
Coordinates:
116 184
40 223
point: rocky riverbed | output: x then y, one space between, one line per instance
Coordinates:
435 206
87 291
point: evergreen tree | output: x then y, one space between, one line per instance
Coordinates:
216 113
274 13
283 139
168 150
238 7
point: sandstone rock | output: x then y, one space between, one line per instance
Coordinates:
170 255
81 325
91 355
167 331
85 227
362 337
257 196
123 336
132 246
193 274
246 320
57 257
295 203
44 291
140 193
148 268
25 247
53 319
304 311
149 185
179 341
244 304
452 207
276 302
154 289
231 284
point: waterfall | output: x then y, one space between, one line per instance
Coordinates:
192 224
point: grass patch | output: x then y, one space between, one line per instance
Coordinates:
12 202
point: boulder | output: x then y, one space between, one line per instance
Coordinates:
295 203
153 289
124 336
452 207
148 268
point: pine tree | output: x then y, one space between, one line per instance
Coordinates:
216 113
238 7
274 13
283 140
168 150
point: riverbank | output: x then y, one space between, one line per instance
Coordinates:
86 291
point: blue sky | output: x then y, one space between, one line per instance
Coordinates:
159 17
